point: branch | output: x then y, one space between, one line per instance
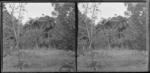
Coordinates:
12 14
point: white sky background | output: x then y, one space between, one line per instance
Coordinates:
35 10
108 10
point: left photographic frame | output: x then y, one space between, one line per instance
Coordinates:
38 37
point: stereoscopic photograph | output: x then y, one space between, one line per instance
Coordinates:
112 37
38 37
74 36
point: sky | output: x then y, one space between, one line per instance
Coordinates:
108 10
35 10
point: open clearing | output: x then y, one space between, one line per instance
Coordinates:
39 60
116 60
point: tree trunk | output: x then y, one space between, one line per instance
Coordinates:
92 56
16 36
90 31
19 55
36 43
109 44
17 32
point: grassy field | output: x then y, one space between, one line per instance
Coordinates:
115 61
51 60
39 60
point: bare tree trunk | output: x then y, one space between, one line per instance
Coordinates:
36 43
89 35
16 36
17 32
90 30
109 43
19 56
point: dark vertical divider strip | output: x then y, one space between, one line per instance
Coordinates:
1 33
76 28
148 20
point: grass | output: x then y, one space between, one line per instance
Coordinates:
116 61
38 60
41 60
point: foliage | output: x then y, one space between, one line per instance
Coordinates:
118 31
137 13
8 33
50 32
66 24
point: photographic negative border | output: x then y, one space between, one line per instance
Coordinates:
1 37
76 17
147 19
148 32
33 2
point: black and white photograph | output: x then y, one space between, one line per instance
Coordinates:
112 37
38 37
74 36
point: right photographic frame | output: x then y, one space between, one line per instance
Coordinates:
113 37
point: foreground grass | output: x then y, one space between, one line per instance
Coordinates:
115 60
39 60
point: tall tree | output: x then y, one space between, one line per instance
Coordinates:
92 9
16 25
82 32
65 22
116 27
137 13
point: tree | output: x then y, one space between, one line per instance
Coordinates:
38 31
8 33
93 9
52 32
65 22
15 25
137 13
82 32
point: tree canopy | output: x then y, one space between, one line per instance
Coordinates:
124 32
45 31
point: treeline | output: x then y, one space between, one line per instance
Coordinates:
123 32
57 32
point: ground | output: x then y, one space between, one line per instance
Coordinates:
39 60
115 60
51 60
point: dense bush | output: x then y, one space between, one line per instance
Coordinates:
45 31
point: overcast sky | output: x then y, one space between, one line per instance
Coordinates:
36 10
108 10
